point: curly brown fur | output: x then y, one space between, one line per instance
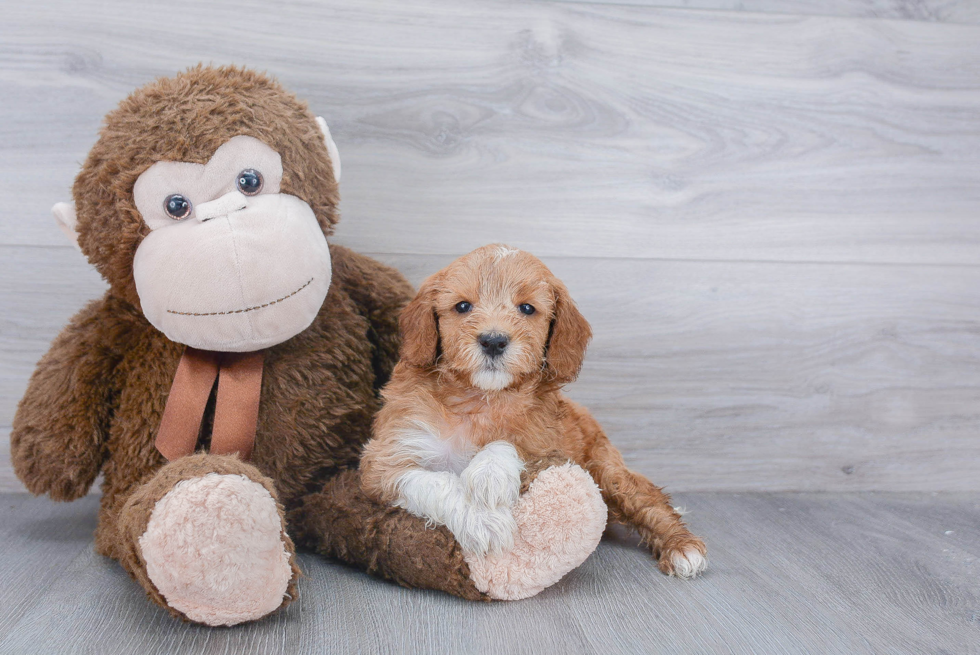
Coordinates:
452 390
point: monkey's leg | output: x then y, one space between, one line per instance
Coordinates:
205 536
560 519
341 521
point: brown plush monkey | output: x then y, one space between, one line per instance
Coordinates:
231 330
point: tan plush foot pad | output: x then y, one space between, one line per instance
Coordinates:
559 521
213 548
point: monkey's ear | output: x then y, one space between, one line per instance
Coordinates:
331 147
420 328
64 216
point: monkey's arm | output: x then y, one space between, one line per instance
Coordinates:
380 292
59 432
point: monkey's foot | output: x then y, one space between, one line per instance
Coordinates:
215 549
560 520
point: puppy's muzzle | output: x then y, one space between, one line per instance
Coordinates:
493 343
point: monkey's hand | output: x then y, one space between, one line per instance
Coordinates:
58 436
51 464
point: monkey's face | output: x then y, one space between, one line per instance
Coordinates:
231 263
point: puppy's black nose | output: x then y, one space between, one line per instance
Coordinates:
493 343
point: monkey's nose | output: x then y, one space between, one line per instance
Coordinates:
493 343
226 204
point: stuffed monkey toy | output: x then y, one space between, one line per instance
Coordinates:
226 382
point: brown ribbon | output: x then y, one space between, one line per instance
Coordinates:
236 413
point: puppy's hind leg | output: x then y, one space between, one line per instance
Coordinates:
635 501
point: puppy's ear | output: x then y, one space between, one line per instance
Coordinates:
419 328
569 336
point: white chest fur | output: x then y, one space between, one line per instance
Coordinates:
436 449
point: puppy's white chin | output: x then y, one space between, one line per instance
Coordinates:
491 379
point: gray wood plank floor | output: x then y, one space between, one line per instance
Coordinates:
790 573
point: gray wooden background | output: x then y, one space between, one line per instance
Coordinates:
768 209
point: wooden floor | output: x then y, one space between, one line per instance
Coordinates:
789 573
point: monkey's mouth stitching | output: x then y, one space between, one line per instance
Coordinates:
247 309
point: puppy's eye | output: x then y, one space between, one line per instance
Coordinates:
463 307
526 309
249 181
177 206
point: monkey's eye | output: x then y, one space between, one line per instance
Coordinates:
463 307
250 181
177 206
526 309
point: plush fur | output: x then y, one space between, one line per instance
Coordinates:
134 526
346 523
450 386
95 401
545 550
187 118
214 548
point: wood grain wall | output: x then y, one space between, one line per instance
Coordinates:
769 209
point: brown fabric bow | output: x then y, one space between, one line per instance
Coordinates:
236 413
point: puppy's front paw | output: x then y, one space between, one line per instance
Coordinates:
483 531
493 477
684 557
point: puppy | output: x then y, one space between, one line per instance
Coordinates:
487 344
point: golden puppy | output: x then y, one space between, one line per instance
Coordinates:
487 344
